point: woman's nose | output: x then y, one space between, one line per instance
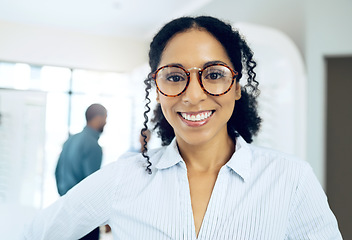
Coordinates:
194 92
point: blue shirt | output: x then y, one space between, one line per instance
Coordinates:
259 194
81 156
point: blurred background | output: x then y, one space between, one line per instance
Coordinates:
58 57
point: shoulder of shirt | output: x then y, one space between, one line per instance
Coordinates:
278 157
135 160
129 167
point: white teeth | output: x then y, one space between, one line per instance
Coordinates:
198 117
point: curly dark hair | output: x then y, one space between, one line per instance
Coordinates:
244 120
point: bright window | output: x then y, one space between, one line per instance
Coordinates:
69 93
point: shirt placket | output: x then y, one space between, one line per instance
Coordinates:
212 216
186 213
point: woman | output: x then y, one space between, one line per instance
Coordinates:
207 182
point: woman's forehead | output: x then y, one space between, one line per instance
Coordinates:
193 48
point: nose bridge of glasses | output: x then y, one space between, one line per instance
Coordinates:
197 70
197 81
194 68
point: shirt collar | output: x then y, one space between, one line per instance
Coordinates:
240 162
170 157
91 131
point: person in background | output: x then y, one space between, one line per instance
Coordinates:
81 155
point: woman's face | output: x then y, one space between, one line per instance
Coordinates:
196 48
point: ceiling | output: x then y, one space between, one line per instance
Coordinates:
141 19
121 18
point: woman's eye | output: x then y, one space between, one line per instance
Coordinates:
175 78
214 75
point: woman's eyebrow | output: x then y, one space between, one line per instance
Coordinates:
204 65
175 64
213 62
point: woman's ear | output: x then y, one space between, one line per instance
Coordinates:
238 91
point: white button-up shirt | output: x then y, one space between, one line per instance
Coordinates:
259 194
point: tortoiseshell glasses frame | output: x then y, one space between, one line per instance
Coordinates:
221 67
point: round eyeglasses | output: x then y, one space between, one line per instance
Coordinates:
215 79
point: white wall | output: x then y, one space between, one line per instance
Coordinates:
328 33
43 45
284 115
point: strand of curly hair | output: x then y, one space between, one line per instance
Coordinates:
147 82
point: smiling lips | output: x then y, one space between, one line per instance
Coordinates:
196 117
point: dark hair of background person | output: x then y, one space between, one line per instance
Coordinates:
244 120
95 109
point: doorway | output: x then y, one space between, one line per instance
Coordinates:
339 141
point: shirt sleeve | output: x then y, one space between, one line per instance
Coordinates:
85 207
311 217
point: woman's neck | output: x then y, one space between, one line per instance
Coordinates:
207 157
